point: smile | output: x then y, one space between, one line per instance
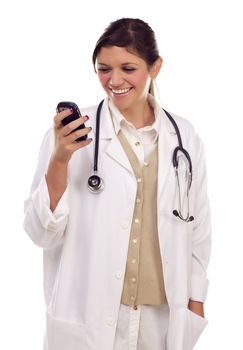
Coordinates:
121 92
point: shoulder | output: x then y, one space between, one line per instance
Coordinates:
186 128
184 125
190 137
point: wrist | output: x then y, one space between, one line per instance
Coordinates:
58 162
197 307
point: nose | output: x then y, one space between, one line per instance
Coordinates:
116 78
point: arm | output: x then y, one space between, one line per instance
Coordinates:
201 239
65 146
56 180
47 208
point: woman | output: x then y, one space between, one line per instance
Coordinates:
120 270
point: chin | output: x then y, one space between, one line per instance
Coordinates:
123 104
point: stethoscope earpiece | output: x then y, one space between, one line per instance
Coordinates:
177 214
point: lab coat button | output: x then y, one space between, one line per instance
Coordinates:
110 321
118 275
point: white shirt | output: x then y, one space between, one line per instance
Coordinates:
142 140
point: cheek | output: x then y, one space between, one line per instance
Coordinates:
103 78
140 79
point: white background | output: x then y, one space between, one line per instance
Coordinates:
46 49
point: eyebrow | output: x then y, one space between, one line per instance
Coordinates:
123 64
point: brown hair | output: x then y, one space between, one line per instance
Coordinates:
133 34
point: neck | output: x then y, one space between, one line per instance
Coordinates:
140 116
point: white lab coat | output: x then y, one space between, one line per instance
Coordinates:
85 241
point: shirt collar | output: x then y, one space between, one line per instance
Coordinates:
119 120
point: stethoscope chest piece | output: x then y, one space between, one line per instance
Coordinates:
95 184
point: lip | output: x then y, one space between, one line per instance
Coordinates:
121 92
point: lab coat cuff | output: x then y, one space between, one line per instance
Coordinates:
199 288
41 201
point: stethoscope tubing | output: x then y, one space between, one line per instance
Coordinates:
97 136
96 183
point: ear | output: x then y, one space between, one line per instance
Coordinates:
154 70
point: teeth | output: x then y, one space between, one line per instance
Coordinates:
122 91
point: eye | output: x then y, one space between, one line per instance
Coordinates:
129 69
104 70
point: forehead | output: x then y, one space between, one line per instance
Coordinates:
118 55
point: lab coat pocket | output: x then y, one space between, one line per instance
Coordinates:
62 335
196 325
175 228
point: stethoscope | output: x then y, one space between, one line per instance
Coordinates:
96 183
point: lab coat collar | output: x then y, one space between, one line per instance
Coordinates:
106 125
119 119
167 141
109 129
107 132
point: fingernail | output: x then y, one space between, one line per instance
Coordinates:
87 117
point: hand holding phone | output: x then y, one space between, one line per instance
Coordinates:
75 115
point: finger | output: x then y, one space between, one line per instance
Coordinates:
70 127
77 145
59 117
76 134
82 144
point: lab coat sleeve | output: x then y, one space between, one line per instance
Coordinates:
45 228
201 239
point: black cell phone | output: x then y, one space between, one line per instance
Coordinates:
75 115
